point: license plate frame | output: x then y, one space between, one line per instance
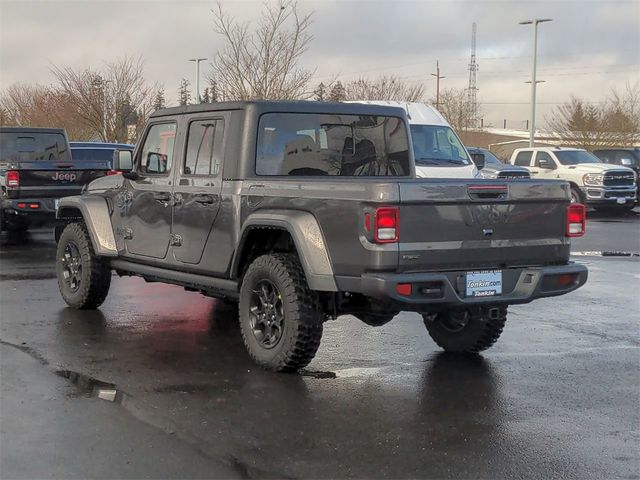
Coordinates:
483 283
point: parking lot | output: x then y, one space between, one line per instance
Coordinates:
556 397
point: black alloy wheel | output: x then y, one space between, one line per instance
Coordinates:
267 314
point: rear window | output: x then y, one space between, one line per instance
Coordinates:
523 159
92 155
33 147
336 145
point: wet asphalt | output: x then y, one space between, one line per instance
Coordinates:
557 397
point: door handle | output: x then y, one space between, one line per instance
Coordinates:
533 172
162 197
204 199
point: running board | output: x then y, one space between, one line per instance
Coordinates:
220 286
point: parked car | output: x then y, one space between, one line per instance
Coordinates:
626 157
100 153
437 150
305 211
490 166
592 182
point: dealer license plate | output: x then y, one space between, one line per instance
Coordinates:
486 283
621 201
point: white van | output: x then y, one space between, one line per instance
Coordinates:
438 151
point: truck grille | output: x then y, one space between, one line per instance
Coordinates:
618 179
513 174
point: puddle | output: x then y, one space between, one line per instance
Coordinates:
90 387
317 374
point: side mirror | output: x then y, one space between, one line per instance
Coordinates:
122 161
478 159
156 163
546 164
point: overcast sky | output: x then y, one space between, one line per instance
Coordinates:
590 47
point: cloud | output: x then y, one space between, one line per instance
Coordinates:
589 47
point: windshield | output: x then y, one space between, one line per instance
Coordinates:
574 157
437 145
33 147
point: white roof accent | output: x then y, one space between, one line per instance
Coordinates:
418 113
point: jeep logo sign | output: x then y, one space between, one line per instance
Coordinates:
64 176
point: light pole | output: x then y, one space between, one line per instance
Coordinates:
533 75
197 62
102 84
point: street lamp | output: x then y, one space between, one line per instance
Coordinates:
197 62
533 74
102 83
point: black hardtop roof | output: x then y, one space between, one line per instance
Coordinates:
31 130
301 106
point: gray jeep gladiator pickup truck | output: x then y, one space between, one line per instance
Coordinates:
305 211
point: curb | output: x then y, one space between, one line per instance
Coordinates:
606 254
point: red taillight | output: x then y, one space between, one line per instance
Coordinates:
22 205
12 179
576 220
386 225
404 289
34 206
113 172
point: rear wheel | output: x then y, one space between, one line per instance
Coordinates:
280 317
83 277
466 331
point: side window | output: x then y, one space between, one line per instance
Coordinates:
203 144
543 159
523 159
157 152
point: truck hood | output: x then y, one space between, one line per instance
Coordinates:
597 167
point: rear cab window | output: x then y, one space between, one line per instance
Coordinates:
332 145
33 147
91 155
523 159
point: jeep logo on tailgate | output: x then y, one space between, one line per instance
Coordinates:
64 176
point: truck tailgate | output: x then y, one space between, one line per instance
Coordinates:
482 224
45 179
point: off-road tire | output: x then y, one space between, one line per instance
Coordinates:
480 332
95 278
302 330
375 320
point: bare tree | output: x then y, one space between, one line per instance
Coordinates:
614 122
40 106
116 100
262 62
385 87
455 107
337 93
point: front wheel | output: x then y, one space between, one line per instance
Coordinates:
280 316
83 277
466 331
576 195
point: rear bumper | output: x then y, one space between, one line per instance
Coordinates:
520 285
23 210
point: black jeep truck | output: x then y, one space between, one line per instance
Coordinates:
305 211
37 169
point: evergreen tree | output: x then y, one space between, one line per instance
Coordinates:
205 96
337 93
214 92
159 101
184 95
320 93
